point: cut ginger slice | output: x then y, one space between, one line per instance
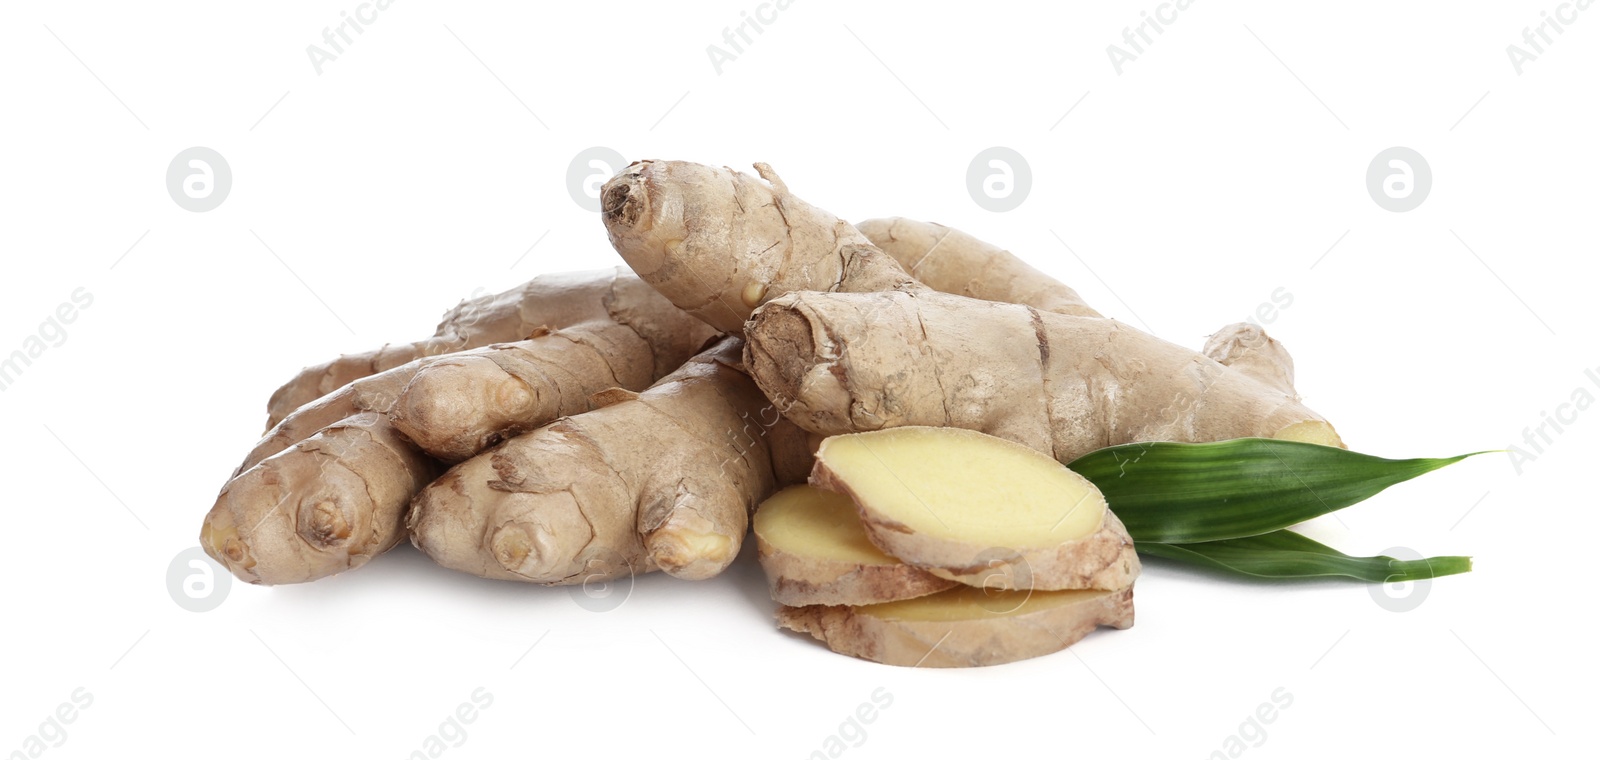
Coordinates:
814 551
963 627
978 509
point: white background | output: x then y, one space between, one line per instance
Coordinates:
1228 160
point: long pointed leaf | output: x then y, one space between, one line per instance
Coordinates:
1181 493
1285 554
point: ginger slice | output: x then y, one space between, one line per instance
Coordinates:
814 551
978 509
963 627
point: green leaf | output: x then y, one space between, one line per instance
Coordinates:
1182 493
1285 554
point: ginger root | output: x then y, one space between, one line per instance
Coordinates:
329 504
731 249
305 504
846 362
1247 348
719 243
548 301
460 404
663 479
605 424
951 261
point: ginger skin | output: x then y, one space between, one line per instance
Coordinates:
347 465
807 288
1066 386
663 479
951 261
548 301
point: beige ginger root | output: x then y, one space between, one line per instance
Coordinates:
329 504
814 551
951 261
1248 349
847 362
620 333
303 506
963 627
547 301
719 243
979 509
663 479
460 404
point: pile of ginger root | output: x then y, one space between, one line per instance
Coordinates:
890 404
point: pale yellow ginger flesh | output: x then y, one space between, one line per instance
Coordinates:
808 520
814 551
964 485
1311 431
963 627
978 509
